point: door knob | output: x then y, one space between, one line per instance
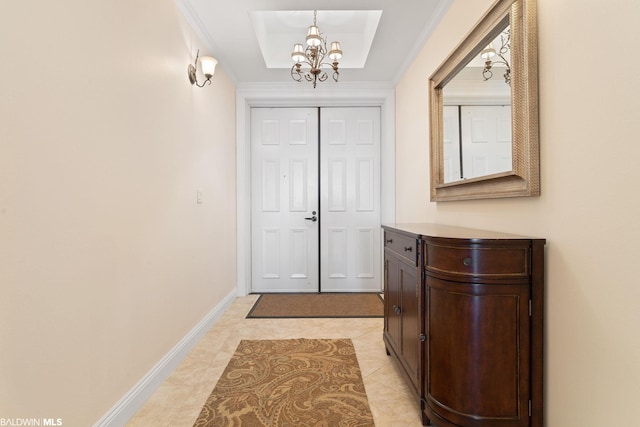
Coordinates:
313 218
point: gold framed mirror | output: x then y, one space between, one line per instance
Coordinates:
512 25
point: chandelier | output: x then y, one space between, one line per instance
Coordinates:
489 52
313 57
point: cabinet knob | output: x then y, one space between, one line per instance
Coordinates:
396 309
389 240
408 248
466 262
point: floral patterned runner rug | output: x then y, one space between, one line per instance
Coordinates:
286 383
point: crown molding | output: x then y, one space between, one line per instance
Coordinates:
354 93
439 12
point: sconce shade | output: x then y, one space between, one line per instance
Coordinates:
313 36
336 51
208 66
298 53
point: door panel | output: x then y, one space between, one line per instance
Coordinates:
451 143
486 140
392 297
284 182
350 200
479 339
410 330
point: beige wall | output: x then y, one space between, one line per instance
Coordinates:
590 203
106 260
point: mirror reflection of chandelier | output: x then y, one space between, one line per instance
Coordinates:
313 56
490 52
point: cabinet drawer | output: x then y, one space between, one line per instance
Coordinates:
404 246
478 261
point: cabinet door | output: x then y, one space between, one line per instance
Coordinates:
477 358
410 320
392 302
402 316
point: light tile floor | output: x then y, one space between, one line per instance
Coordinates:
178 401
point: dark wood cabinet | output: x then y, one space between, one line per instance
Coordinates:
479 308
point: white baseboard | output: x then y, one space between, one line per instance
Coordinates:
131 402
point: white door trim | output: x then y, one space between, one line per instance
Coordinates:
299 95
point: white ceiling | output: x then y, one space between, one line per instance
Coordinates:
253 39
354 29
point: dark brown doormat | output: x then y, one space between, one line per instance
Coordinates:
317 305
296 382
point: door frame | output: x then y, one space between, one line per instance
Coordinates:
293 95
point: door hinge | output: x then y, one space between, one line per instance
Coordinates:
529 407
530 308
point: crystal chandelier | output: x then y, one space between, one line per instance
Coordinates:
489 52
313 56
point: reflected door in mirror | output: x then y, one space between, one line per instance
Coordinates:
477 141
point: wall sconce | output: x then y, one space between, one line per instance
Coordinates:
208 65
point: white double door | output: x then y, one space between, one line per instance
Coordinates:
315 200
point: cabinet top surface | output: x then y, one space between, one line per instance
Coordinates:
454 232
